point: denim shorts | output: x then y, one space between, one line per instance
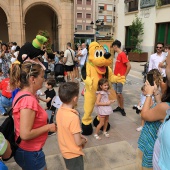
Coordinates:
118 87
30 160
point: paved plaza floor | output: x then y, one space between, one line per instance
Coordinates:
115 153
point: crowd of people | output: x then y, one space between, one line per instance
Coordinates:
33 123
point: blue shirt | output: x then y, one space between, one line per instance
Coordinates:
164 138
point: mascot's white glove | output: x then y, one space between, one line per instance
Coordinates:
118 79
89 82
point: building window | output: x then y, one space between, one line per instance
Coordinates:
165 2
88 27
101 18
113 19
88 15
163 33
79 15
79 1
101 7
105 29
109 18
133 6
114 9
109 7
88 2
79 27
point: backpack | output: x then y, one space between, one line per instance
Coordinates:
8 130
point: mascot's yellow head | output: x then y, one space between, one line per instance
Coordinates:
98 58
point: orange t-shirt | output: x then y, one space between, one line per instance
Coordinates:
68 124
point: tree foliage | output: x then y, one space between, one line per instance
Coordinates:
137 31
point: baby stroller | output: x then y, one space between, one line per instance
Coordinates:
59 73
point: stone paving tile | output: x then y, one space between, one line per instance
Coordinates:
127 167
117 154
55 162
93 160
12 166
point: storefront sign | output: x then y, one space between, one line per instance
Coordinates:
147 3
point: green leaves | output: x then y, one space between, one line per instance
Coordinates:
137 30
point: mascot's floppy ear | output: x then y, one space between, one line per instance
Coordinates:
31 51
39 41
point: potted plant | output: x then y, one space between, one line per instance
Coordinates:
137 31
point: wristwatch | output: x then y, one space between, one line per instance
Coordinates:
148 95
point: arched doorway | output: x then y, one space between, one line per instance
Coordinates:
41 17
3 27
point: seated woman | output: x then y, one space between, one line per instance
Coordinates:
30 119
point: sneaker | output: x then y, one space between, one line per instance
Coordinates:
51 133
134 107
139 128
123 112
117 109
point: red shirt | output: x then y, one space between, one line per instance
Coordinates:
120 65
30 102
5 87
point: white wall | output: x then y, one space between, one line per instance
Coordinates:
150 16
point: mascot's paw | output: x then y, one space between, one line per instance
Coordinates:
89 81
87 129
96 122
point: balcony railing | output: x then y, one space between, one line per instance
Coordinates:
165 2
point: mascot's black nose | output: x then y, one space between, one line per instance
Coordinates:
107 55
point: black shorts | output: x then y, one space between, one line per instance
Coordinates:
69 68
75 163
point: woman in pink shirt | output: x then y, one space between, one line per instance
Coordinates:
30 119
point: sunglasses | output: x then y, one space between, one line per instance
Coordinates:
159 47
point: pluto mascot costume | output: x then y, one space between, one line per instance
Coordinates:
96 67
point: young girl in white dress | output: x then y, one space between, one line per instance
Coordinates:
103 107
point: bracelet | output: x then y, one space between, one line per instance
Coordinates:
148 95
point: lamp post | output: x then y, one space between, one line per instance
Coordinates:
98 25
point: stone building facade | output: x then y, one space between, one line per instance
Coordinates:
22 19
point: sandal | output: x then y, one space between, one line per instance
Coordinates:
106 134
97 137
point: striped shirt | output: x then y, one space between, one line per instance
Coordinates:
147 140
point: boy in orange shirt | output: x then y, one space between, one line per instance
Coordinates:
70 139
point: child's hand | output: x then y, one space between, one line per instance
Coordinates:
52 127
112 101
83 145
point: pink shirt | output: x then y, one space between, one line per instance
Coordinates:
30 102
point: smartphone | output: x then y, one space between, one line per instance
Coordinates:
150 79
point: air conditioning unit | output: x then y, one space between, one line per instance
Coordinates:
100 11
